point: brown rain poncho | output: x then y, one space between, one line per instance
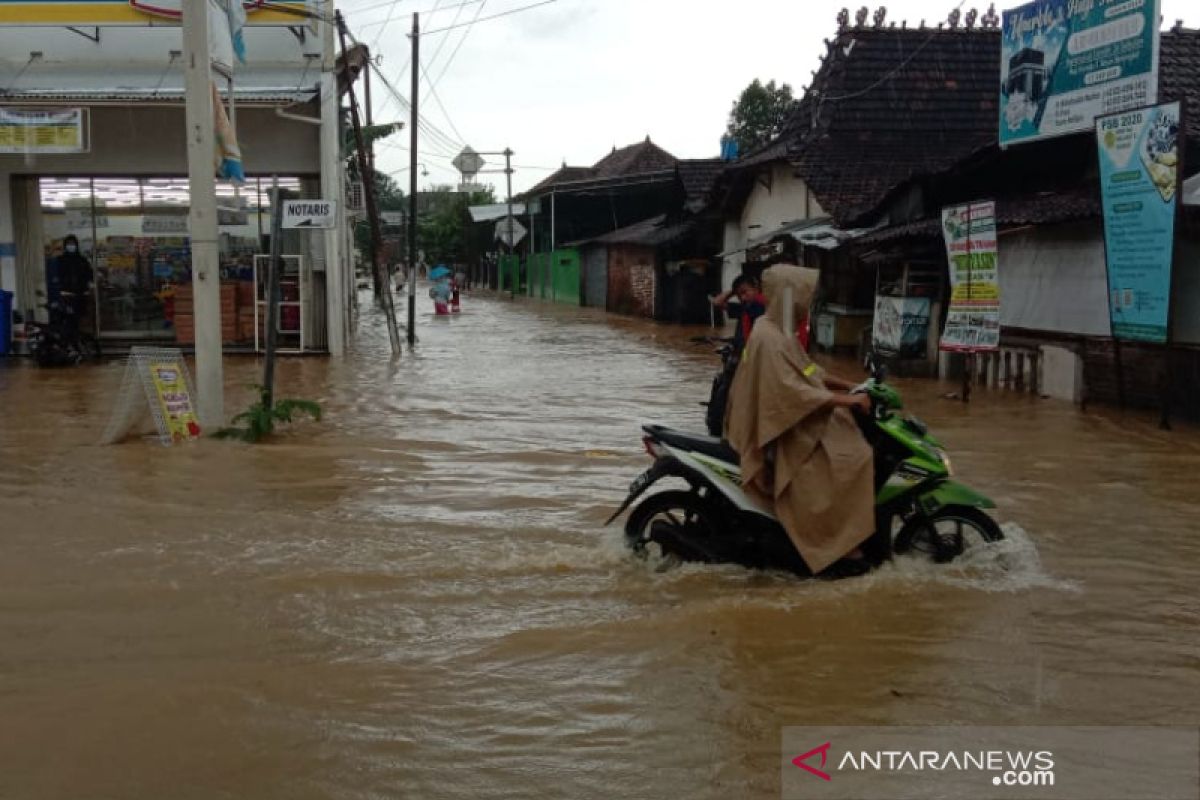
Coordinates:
800 457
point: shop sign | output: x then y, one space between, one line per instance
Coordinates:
165 223
1065 62
1139 182
901 325
136 12
50 130
166 390
393 219
81 219
973 319
309 214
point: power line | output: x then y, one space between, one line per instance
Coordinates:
501 14
377 6
458 46
437 98
386 22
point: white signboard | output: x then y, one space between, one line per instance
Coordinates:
165 223
392 219
51 130
309 214
518 231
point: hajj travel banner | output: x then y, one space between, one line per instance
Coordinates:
973 319
1139 179
1065 62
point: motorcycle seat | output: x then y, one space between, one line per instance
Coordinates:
706 445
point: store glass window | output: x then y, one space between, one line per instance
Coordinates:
134 234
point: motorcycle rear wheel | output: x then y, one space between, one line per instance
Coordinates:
679 522
947 534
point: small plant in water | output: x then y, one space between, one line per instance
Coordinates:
260 419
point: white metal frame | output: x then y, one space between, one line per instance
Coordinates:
304 272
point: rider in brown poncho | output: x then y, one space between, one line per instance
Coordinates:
802 455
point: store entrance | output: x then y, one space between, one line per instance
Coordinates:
134 234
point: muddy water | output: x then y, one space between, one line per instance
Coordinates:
415 597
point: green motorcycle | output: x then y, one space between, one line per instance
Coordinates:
920 509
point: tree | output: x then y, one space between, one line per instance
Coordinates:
758 114
445 231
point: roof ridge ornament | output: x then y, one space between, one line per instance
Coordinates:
955 16
843 19
991 19
860 17
880 16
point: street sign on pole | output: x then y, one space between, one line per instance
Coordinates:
518 232
309 214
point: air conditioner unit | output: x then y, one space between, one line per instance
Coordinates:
355 197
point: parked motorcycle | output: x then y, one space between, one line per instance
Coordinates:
715 521
60 342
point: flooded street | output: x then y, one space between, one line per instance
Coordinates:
416 596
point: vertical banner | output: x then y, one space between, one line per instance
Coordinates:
973 320
1139 181
1065 62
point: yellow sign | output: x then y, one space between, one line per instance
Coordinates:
124 12
170 387
58 130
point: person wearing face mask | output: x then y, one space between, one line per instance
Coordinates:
801 452
74 277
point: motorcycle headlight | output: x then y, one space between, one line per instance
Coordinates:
945 459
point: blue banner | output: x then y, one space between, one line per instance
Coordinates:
1139 180
1065 62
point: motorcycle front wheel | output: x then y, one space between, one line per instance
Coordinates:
947 534
679 522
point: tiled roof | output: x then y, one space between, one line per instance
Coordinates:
652 232
635 159
891 104
1179 72
895 104
644 156
563 175
697 176
1042 208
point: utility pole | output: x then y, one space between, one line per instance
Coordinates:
274 267
412 184
369 194
512 245
202 215
375 277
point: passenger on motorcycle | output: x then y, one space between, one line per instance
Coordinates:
801 452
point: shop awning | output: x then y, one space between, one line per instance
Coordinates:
244 95
819 232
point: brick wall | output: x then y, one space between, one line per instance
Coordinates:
1142 368
631 280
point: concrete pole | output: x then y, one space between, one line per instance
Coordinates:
414 125
202 215
332 188
512 245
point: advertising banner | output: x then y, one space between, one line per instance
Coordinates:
973 319
1139 181
1065 62
48 130
901 325
174 401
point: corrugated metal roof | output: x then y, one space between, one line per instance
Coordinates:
259 95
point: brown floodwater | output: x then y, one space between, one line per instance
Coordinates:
415 597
